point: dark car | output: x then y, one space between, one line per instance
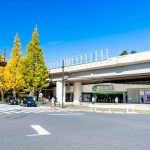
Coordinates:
13 101
29 101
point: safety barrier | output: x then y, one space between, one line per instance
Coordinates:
80 59
110 108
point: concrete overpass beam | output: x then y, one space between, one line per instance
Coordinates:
77 91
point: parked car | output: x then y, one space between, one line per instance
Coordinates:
29 101
13 101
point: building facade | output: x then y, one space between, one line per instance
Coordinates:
106 93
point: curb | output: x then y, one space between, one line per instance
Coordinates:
135 112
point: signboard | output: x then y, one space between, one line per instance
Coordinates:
3 63
99 88
148 98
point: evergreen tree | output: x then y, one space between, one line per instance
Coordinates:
123 53
133 52
13 69
35 71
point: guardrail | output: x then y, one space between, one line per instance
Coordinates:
110 108
80 59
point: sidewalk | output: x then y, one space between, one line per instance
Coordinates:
139 108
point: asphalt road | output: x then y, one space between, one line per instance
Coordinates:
74 131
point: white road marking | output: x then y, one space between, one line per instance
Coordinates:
39 111
39 130
66 114
19 111
31 111
7 112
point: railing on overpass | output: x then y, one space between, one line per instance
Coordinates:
80 59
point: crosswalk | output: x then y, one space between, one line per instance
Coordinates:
16 109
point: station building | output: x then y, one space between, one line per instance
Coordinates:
95 74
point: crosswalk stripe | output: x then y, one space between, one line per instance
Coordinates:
18 112
40 111
6 112
9 109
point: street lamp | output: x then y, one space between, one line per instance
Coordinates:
63 66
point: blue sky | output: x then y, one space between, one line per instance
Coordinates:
73 27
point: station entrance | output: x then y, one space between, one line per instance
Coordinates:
103 97
109 97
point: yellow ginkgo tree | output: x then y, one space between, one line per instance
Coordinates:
3 83
34 68
14 77
1 57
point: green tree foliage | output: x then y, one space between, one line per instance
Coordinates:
124 53
35 71
133 52
13 69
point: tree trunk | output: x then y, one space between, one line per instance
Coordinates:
37 95
14 93
2 95
31 91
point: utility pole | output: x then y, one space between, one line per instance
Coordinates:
5 56
63 66
3 60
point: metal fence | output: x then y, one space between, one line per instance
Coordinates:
80 59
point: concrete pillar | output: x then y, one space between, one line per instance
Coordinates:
77 91
133 96
59 92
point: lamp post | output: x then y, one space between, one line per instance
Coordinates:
63 66
48 80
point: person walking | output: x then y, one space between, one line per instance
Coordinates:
142 100
80 99
52 103
109 99
93 99
116 100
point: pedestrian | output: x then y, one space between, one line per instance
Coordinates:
142 99
80 99
35 99
93 99
55 99
109 99
116 100
49 97
52 103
